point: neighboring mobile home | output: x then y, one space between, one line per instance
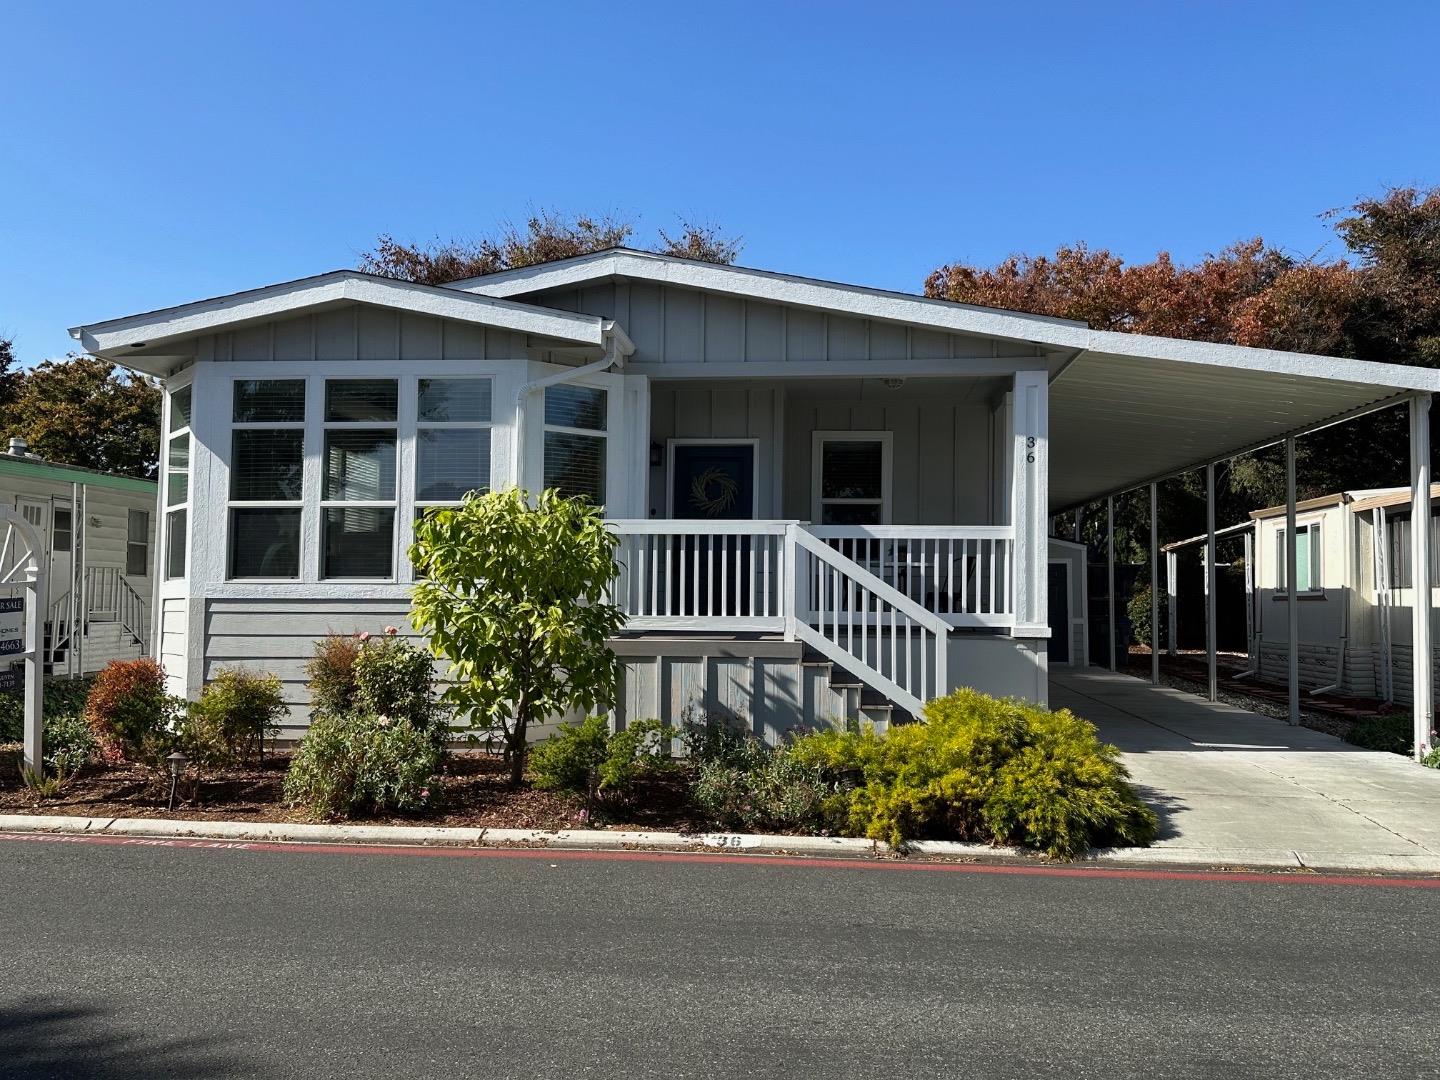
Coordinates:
832 501
1355 591
98 536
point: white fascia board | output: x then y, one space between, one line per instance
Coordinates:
940 315
278 301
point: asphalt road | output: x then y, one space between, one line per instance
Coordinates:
132 961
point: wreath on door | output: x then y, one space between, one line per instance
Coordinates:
713 492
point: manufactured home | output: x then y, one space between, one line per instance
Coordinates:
97 534
832 502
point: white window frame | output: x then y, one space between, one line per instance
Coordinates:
610 391
1315 527
306 449
143 542
818 502
393 503
416 504
166 508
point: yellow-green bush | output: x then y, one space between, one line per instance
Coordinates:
982 768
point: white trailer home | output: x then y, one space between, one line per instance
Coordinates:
1355 591
832 501
98 535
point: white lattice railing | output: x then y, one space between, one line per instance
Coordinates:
963 574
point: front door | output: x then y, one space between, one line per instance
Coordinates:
712 481
51 519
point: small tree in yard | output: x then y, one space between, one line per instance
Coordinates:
513 595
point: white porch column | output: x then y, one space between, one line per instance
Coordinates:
1292 567
1154 587
1110 574
36 600
1172 597
1210 628
1422 678
1030 502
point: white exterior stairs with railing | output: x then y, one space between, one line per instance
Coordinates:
115 624
870 607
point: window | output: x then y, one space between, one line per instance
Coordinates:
177 484
137 543
1307 559
1397 527
851 478
267 466
62 536
358 485
576 440
452 439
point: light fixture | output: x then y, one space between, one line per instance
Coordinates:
177 762
893 383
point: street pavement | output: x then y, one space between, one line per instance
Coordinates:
128 959
1236 787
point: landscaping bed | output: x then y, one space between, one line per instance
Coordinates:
474 794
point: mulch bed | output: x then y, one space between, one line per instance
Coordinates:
475 784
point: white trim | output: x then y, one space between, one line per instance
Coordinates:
338 286
936 314
754 444
886 439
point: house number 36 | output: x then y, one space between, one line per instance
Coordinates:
1029 447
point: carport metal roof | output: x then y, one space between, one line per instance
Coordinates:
1121 418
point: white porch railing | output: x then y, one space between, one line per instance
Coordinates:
963 574
878 600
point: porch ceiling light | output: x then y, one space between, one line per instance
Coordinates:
893 384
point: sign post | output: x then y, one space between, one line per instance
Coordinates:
22 624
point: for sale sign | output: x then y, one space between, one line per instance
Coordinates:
12 624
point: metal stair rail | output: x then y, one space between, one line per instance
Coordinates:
855 619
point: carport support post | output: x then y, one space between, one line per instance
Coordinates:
1172 599
1214 691
1422 670
1154 587
1110 573
1292 569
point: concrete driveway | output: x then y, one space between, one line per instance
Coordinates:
1232 786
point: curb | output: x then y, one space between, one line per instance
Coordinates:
754 843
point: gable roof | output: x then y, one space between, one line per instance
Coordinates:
120 339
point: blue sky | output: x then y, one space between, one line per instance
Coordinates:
152 154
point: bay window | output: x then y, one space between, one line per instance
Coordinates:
267 460
358 484
177 483
576 440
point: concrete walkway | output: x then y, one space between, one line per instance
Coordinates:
1233 786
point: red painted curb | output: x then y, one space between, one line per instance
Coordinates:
706 858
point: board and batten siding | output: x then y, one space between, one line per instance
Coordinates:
675 325
361 332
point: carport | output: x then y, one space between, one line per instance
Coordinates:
1129 411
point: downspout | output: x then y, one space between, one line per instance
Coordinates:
617 347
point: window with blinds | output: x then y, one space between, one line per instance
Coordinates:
1402 563
358 492
177 484
267 468
851 478
576 442
452 439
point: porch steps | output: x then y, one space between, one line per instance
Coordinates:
835 698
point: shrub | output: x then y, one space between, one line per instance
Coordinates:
349 765
332 674
1393 733
586 757
763 789
716 739
69 744
236 713
64 696
1432 759
393 678
129 711
1138 609
982 768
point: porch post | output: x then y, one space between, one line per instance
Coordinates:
1292 568
1421 663
1154 587
1172 596
1030 502
1210 633
33 754
1110 574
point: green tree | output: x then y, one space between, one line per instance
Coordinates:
545 237
514 596
10 380
88 412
